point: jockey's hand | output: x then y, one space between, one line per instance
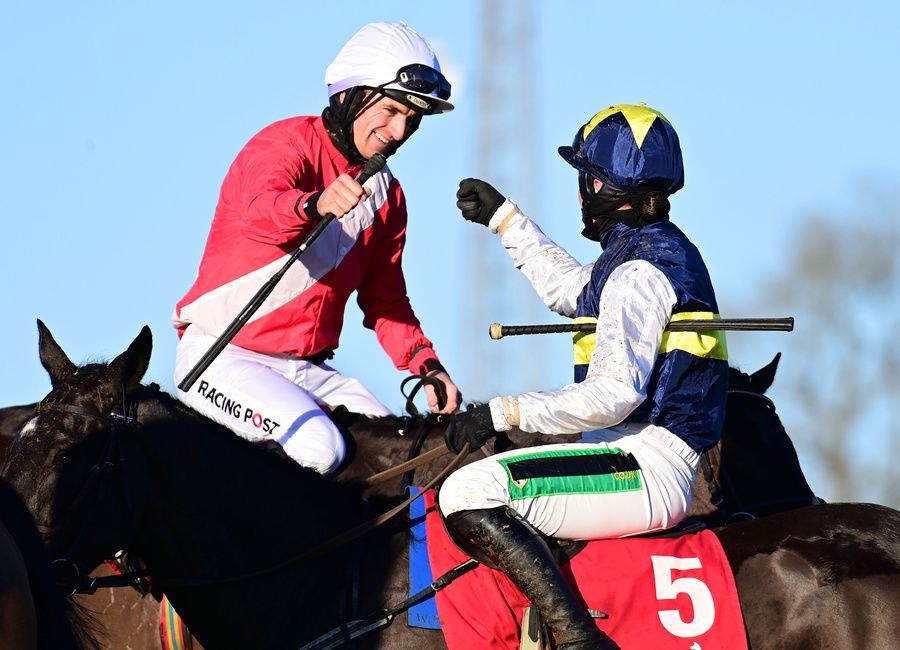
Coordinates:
474 426
341 196
454 397
478 200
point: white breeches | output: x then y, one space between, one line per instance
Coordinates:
273 397
581 497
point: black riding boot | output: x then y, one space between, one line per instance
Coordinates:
510 544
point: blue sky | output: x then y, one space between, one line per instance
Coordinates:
120 119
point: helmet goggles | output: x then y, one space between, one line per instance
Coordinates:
420 87
421 78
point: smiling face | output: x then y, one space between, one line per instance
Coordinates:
381 125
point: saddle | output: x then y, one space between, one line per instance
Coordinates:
566 549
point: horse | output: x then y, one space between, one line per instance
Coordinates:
237 536
34 613
378 442
123 618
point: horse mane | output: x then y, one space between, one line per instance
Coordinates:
61 622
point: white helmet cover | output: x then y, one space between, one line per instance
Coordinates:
373 56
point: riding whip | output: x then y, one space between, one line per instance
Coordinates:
498 331
372 167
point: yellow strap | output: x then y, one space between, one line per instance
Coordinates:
707 345
584 342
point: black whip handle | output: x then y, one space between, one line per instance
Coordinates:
498 331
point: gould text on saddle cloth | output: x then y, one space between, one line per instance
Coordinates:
659 594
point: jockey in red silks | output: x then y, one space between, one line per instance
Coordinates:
646 400
272 381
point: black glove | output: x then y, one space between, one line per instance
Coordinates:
478 200
474 426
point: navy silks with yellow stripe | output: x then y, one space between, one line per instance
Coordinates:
687 388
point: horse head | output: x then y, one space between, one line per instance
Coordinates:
67 458
755 466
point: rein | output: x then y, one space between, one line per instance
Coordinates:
415 449
415 458
402 468
355 629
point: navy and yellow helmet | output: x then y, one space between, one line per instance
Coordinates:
630 146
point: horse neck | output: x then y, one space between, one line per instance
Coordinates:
201 475
379 443
216 506
201 472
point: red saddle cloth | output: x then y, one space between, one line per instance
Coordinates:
659 593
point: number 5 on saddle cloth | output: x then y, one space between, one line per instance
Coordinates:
659 593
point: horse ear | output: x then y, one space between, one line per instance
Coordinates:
54 360
133 363
762 379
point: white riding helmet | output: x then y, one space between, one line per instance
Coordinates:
396 60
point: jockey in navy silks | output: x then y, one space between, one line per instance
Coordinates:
646 400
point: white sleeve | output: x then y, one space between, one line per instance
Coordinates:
556 276
635 307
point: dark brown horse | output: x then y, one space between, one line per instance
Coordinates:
211 515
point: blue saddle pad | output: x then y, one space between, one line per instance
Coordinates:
425 613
